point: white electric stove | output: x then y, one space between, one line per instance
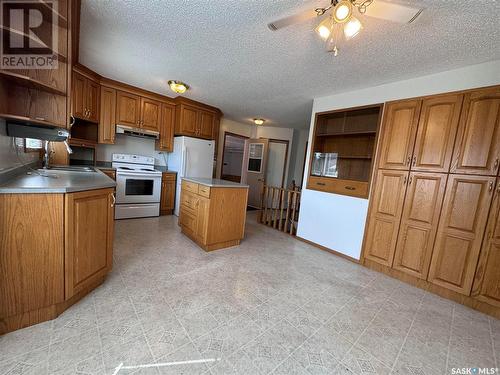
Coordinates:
138 186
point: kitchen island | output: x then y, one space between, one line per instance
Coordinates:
56 242
213 212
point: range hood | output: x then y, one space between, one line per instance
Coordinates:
43 133
136 132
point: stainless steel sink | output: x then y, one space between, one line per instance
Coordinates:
71 168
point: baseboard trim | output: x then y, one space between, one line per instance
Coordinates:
334 252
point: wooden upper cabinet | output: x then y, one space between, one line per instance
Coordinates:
460 232
436 133
399 129
107 119
419 222
150 114
477 148
78 95
385 216
85 98
166 140
89 238
206 124
92 96
187 121
487 282
128 109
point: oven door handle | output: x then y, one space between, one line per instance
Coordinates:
145 176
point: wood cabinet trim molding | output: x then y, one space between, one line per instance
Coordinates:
193 103
136 90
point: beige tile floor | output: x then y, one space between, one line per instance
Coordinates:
271 305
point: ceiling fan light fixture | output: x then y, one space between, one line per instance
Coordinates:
258 121
352 28
178 86
324 29
342 11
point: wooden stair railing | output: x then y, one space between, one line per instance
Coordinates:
280 208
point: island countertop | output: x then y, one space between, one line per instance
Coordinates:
59 182
215 182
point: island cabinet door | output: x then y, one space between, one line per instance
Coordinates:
477 148
487 280
460 232
385 216
399 130
419 222
89 226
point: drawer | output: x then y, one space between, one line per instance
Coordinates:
204 191
188 221
190 186
189 200
338 186
168 176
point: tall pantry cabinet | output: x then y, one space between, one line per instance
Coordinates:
438 163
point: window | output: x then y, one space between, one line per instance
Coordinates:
29 144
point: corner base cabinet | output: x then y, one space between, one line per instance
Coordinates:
55 248
213 217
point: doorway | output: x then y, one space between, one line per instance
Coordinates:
276 162
232 156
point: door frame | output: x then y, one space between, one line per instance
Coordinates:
287 143
224 147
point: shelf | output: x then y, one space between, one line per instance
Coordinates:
29 120
29 82
347 133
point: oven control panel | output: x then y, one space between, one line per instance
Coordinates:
135 159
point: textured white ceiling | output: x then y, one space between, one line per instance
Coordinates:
224 50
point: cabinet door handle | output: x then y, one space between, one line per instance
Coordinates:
350 187
72 121
409 181
405 179
320 183
40 118
414 160
496 164
408 160
490 187
114 199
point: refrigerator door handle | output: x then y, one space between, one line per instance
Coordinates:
184 161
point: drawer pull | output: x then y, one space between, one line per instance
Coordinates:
350 187
320 183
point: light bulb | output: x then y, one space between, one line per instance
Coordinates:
324 29
352 28
258 121
342 11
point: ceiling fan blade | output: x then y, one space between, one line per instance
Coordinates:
292 20
392 12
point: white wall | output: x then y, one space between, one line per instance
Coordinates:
338 222
125 144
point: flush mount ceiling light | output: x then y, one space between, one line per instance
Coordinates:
339 15
258 121
178 86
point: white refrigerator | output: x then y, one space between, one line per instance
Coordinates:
192 157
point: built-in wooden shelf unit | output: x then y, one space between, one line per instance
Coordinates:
343 149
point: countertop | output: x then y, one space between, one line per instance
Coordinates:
61 182
215 182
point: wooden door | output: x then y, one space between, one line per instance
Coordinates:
202 214
187 121
419 222
206 125
399 127
477 149
150 114
128 108
78 101
107 118
167 202
385 216
487 281
166 140
460 232
89 226
436 133
92 90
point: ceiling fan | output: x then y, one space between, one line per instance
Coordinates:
338 18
